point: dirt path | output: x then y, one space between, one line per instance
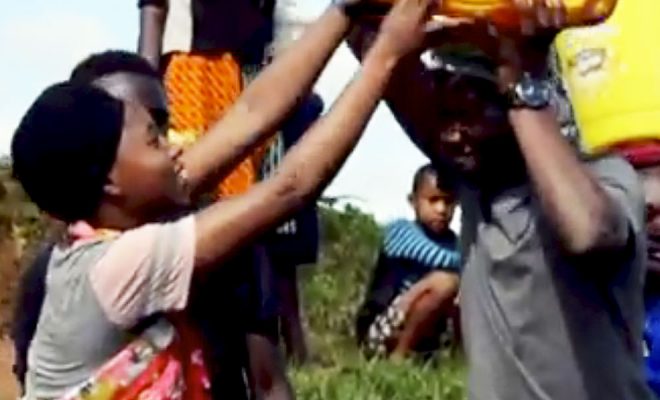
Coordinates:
8 389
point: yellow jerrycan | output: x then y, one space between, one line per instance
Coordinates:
612 73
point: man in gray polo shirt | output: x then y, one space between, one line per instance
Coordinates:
553 244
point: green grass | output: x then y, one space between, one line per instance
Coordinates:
332 292
351 377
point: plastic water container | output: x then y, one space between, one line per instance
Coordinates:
612 72
504 13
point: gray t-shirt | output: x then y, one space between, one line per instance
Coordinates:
540 324
97 289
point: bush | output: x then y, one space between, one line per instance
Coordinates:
21 228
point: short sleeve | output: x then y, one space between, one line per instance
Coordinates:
618 178
406 240
146 270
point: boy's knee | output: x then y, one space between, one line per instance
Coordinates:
431 300
443 283
440 290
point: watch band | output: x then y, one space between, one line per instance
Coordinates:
528 93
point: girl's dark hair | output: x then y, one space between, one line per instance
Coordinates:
65 147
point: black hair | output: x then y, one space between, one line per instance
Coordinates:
444 176
456 83
464 69
65 147
110 62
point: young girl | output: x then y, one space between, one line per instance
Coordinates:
102 165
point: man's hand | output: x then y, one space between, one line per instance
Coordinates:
405 27
524 49
527 50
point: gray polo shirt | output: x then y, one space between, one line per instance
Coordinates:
540 324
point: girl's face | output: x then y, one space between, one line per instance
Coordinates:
147 180
651 180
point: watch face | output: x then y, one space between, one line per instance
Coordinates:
534 94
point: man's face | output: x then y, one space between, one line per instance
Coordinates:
147 171
433 207
651 180
471 125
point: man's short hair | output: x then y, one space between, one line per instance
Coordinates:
109 62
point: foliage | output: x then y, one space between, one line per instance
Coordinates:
21 226
381 380
335 286
332 291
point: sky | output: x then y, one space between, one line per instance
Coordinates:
41 41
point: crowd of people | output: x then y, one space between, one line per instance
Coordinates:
187 174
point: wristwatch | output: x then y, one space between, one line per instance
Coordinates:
535 94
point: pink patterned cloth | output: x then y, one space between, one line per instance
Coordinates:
166 362
149 370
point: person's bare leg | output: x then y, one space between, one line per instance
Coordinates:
427 301
291 327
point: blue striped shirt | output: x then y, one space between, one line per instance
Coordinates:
407 240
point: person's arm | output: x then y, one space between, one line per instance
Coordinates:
573 199
157 277
313 162
266 102
576 203
153 14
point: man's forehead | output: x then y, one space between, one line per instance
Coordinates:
134 88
